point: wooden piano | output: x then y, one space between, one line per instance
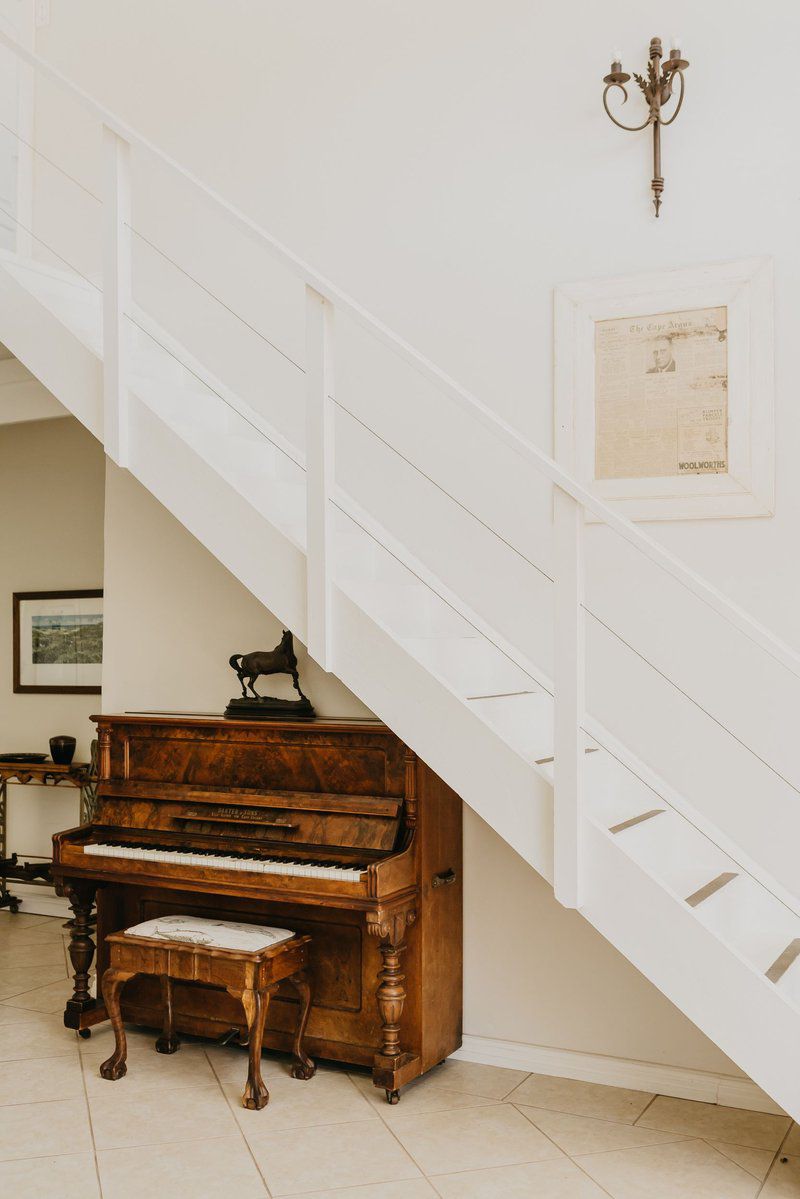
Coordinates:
332 828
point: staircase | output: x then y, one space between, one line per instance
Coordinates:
632 747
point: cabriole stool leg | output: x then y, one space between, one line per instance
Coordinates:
303 1065
113 982
168 1042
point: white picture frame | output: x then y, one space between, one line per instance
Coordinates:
744 287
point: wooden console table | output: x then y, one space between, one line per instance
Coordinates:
82 775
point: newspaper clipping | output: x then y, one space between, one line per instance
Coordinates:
661 395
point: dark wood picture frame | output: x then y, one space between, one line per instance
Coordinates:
17 598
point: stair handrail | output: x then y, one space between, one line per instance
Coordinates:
571 499
505 432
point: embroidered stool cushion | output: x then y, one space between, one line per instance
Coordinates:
217 934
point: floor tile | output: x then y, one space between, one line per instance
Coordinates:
44 1129
36 1039
708 1120
581 1098
211 1169
45 953
36 1081
21 1015
71 1176
409 1188
491 1082
583 1134
22 920
418 1097
18 980
755 1161
48 998
784 1180
792 1143
341 1155
229 1063
682 1170
294 1103
448 1142
540 1180
121 1120
147 1070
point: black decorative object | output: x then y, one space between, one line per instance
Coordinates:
62 750
248 667
23 758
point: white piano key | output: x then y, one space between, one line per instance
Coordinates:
220 861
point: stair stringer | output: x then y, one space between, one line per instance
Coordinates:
52 353
738 1008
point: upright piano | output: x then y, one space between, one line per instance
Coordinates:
331 828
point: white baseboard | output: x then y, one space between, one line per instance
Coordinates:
677 1081
39 901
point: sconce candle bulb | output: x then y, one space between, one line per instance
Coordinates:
658 90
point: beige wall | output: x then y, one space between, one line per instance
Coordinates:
534 972
51 537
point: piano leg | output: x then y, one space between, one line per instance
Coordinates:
81 950
168 1042
255 1004
303 1066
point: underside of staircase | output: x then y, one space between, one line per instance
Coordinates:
713 938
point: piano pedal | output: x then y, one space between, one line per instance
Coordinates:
234 1037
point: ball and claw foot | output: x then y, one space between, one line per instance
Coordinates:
392 1097
84 1033
113 1071
255 1100
167 1045
304 1069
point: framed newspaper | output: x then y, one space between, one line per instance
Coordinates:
664 392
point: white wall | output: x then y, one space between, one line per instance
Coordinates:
535 973
51 537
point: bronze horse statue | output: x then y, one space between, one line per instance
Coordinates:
280 660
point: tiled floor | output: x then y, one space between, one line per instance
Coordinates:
173 1126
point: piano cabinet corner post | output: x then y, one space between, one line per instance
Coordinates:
391 993
81 949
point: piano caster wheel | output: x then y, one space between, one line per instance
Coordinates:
392 1097
84 1033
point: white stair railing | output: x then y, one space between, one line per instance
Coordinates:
571 500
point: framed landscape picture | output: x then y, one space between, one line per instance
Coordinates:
58 642
664 390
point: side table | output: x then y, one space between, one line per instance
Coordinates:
82 775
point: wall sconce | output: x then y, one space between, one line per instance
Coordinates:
657 90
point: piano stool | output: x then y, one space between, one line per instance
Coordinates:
250 975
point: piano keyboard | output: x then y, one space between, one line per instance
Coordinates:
219 860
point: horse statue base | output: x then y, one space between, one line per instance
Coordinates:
248 667
267 707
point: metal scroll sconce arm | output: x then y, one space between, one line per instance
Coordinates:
680 100
619 124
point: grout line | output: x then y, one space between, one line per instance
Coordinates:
644 1111
706 1141
779 1153
91 1123
238 1125
565 1155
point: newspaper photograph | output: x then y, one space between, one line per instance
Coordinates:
661 395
